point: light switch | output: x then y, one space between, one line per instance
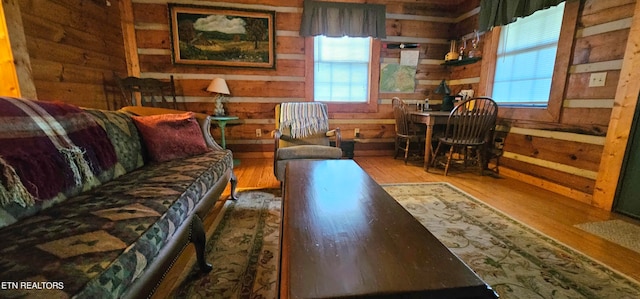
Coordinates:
597 79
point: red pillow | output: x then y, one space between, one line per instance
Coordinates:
171 136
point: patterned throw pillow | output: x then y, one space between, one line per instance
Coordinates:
171 136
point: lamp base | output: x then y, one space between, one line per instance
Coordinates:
219 111
447 103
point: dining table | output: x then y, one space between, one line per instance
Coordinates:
429 118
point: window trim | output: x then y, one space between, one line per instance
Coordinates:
8 72
551 113
374 74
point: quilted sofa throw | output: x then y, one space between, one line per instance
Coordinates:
47 148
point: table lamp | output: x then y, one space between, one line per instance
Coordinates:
447 100
219 87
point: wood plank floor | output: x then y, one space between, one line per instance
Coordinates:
545 211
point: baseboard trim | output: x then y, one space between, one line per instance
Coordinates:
548 185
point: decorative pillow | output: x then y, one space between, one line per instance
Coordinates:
171 136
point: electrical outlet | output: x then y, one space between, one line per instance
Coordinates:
597 79
356 132
258 133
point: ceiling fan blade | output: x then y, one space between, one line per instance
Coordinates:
409 46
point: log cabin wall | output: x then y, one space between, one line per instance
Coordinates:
565 156
255 92
74 46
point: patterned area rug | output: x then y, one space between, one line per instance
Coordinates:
515 260
244 250
617 231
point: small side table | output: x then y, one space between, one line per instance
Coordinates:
222 123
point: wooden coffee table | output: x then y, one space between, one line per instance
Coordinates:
343 235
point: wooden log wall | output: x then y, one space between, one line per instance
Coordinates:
74 46
255 92
565 156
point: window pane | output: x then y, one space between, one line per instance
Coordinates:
526 58
322 90
341 69
342 49
323 72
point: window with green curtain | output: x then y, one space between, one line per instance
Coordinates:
503 12
526 58
337 19
342 45
341 69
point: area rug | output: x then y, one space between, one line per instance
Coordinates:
244 250
617 231
515 260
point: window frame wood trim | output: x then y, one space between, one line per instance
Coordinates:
374 74
564 55
8 76
25 85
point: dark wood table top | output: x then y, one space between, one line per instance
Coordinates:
343 235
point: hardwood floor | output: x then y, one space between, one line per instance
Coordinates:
545 211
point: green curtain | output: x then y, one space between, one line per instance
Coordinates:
335 19
502 12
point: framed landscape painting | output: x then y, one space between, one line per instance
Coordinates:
219 36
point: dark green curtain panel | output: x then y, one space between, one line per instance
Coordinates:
502 12
336 19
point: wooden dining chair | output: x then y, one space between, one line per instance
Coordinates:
495 147
414 128
396 101
405 132
468 129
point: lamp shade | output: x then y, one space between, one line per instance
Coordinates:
443 88
218 85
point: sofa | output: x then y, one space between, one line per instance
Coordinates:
100 204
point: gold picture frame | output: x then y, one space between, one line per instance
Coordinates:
217 36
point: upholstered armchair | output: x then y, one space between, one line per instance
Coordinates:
302 132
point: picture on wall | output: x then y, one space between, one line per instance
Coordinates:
397 78
216 36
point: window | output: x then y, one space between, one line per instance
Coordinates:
346 61
526 57
544 113
341 69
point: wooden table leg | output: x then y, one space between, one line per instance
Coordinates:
427 143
